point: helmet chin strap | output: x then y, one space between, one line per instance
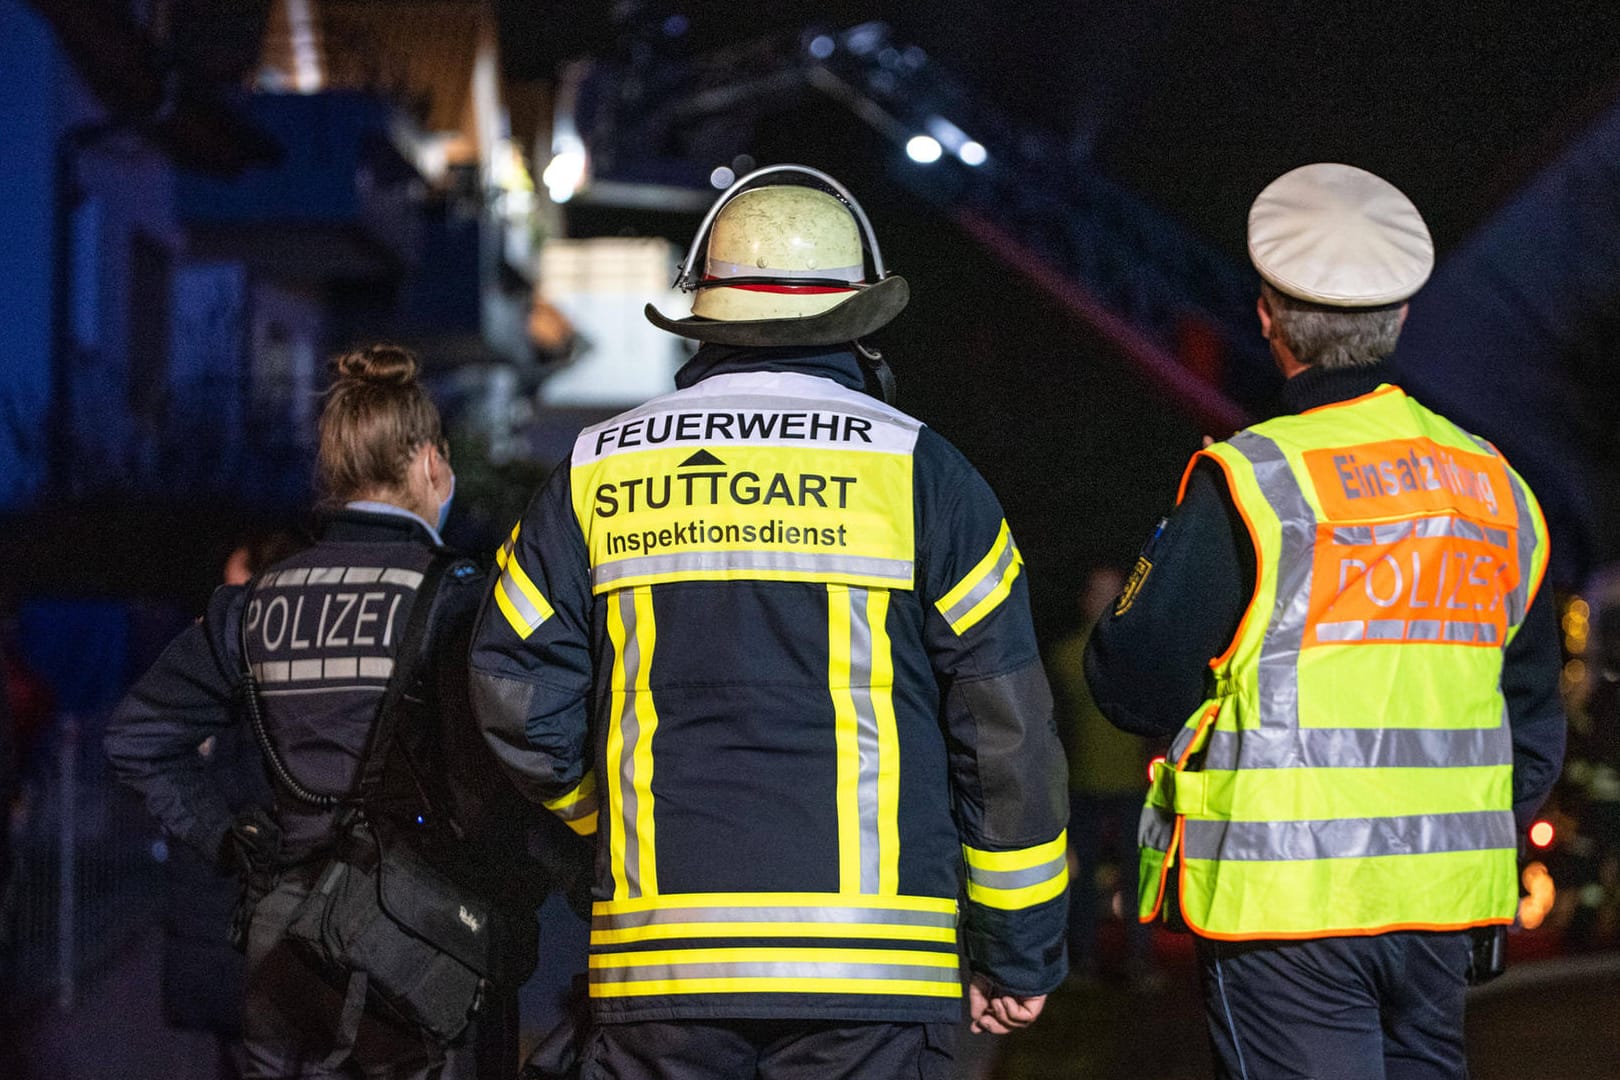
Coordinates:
880 380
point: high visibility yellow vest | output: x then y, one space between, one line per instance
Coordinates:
1352 772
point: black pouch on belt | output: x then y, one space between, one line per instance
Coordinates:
1487 957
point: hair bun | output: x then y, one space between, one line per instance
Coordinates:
390 365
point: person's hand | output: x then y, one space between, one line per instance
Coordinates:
999 1014
252 844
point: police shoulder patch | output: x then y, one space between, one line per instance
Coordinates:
1133 585
1139 572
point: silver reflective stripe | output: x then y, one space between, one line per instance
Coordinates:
799 914
1419 834
1487 633
1285 632
1446 525
896 570
1358 748
1393 532
1386 629
1017 879
1423 630
334 668
1518 601
1354 630
584 808
866 736
336 575
773 969
629 735
721 269
987 584
1426 528
531 615
703 403
376 667
1460 631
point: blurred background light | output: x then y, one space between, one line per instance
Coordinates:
1538 884
923 149
565 174
1541 834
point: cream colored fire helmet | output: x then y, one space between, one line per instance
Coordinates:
785 264
1338 235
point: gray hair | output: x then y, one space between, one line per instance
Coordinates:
1329 337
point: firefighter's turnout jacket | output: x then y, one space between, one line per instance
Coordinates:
770 639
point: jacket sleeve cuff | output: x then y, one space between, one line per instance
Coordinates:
1022 952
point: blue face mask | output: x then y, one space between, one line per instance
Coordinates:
444 507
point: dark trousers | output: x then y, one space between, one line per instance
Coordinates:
1386 1007
292 1016
769 1050
1103 827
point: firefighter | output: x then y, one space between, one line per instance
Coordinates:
1344 627
322 631
768 638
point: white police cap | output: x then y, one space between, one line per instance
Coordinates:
1338 235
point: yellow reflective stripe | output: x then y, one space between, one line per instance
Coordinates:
615 755
1023 897
911 987
845 739
514 571
888 765
505 551
619 906
880 931
1019 859
985 586
750 954
583 790
647 713
578 808
1324 794
520 600
1010 880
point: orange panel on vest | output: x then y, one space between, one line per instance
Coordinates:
1404 477
1436 579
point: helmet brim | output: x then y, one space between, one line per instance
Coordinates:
869 309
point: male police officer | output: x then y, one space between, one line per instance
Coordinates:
1336 820
773 634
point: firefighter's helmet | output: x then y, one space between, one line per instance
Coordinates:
785 264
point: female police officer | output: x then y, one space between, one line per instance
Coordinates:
322 632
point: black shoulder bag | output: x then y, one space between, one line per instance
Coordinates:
382 920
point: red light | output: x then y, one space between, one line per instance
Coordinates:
1541 834
1151 766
